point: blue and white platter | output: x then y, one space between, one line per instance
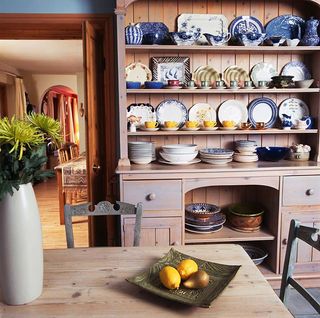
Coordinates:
172 110
245 24
296 69
263 110
288 26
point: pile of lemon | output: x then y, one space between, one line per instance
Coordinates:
187 271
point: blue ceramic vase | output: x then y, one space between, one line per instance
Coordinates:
133 35
311 37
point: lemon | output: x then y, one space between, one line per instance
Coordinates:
187 267
170 277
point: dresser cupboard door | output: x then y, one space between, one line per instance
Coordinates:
154 231
308 258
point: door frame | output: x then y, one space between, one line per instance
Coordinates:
27 26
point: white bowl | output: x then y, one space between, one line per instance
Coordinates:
179 148
292 42
246 148
178 157
304 83
141 160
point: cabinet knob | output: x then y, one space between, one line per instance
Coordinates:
285 241
151 196
310 192
96 168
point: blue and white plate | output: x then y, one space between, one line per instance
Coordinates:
288 26
216 151
263 110
244 24
172 110
294 107
296 69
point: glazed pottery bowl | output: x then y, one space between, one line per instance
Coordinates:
181 157
133 85
256 254
201 211
282 81
217 39
179 148
304 83
183 38
272 153
155 38
153 85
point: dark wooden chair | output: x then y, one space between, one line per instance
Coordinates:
74 151
310 236
102 208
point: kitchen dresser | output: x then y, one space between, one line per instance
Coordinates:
286 188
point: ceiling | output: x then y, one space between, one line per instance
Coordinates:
43 56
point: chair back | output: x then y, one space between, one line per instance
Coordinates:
310 236
102 208
74 151
63 155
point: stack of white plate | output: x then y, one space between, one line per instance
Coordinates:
246 151
179 154
141 152
216 156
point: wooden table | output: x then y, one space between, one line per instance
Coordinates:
91 283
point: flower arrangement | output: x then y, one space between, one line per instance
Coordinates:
22 145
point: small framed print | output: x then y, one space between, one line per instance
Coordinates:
171 68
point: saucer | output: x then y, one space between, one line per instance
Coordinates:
209 128
234 88
262 87
188 87
170 129
300 128
207 87
223 87
191 129
228 128
173 87
149 129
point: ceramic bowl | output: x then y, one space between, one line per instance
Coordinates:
272 153
251 38
282 81
155 38
299 156
304 83
153 85
141 160
181 157
292 42
201 210
256 254
183 38
133 85
217 40
179 148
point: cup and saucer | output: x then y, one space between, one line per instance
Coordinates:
170 125
228 125
262 85
191 125
209 125
205 85
248 85
191 85
234 85
150 126
220 84
173 84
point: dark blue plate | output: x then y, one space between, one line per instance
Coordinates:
267 115
245 24
286 26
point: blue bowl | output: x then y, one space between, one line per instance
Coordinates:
153 84
155 38
133 85
272 153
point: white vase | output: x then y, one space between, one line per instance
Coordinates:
21 253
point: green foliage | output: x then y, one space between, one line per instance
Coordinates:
22 151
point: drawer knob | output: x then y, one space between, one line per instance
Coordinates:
285 241
310 192
151 196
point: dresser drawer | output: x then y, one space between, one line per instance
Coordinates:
303 190
155 195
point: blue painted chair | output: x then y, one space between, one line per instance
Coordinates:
310 236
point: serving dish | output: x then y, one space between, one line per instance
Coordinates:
179 148
272 153
257 254
201 210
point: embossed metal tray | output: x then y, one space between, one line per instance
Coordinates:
220 276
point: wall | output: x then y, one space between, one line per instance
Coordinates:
57 6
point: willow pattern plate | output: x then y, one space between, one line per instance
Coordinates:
205 73
297 69
262 72
294 107
220 276
236 73
138 72
244 24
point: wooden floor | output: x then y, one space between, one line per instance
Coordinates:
53 233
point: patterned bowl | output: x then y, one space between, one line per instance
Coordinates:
201 210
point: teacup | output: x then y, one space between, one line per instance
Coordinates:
262 84
205 84
173 82
220 84
248 84
151 124
191 83
192 124
233 84
260 125
245 125
170 124
228 123
209 123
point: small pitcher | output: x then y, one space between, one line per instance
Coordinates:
286 122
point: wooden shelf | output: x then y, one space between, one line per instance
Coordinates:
270 131
224 91
227 235
223 49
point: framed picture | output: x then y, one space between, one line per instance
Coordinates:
171 68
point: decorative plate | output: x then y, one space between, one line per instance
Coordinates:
172 110
263 110
233 110
144 111
216 151
213 229
235 73
244 24
294 107
220 277
262 72
296 69
202 209
288 26
205 73
202 111
195 160
215 24
215 219
171 68
152 27
138 72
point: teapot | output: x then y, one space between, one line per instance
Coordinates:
217 39
311 37
286 122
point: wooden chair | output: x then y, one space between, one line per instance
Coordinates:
63 155
102 208
310 236
74 151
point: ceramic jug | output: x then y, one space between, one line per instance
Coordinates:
286 122
133 34
311 37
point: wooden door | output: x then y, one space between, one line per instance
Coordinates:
99 95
